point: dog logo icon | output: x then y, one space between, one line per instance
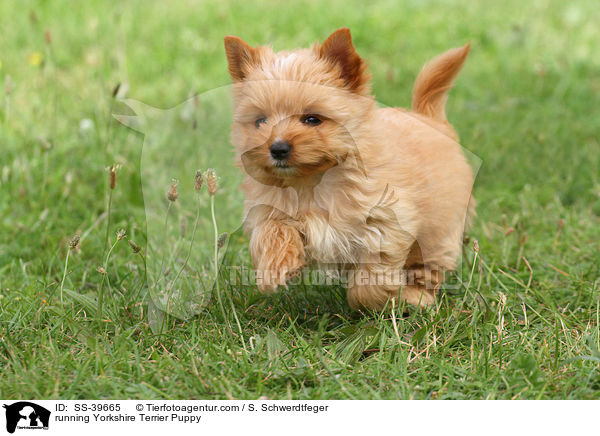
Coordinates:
26 415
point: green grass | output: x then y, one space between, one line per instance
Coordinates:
525 326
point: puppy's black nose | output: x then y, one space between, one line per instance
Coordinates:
280 150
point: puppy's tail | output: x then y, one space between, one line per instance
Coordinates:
435 80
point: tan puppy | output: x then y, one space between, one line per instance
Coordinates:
332 179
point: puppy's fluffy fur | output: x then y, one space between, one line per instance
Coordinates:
371 190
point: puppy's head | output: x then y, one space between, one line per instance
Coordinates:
297 113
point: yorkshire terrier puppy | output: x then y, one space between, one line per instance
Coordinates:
333 179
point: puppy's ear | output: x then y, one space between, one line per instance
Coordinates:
240 56
339 50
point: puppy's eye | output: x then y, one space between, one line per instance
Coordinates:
311 120
260 121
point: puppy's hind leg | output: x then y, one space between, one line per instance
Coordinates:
371 286
376 280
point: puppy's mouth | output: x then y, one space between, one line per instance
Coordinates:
281 164
282 168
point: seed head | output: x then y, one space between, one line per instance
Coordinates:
172 194
198 180
113 176
121 234
524 239
73 243
222 239
476 246
211 181
135 247
101 270
48 36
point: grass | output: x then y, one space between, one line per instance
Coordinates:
523 324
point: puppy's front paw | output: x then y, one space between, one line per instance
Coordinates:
277 272
278 255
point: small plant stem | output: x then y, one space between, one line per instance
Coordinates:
216 254
107 222
237 321
394 323
108 132
472 269
162 261
470 278
137 294
100 309
191 243
62 282
216 260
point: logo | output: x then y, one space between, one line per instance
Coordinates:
26 415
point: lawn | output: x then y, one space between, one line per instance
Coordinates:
522 321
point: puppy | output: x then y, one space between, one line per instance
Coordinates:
383 194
